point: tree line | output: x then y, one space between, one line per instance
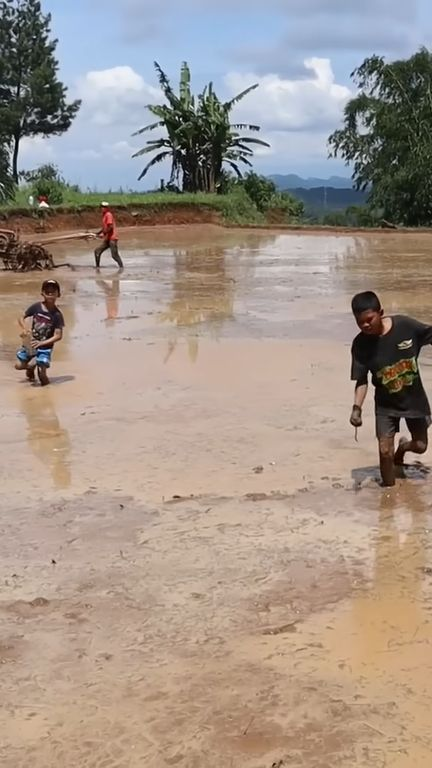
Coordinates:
199 139
385 137
33 101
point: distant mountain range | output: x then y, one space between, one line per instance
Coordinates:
292 181
321 200
321 196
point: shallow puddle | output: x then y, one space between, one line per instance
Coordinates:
197 565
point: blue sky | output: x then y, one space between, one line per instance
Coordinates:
300 51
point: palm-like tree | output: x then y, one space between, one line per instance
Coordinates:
199 136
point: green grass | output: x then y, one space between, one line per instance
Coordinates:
235 208
71 198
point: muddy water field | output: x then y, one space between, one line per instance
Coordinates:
197 565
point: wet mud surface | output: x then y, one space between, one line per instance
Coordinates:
197 566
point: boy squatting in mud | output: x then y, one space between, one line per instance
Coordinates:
47 330
389 347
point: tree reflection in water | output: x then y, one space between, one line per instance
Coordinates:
203 295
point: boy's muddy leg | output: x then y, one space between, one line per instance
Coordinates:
43 376
418 443
30 372
28 367
386 458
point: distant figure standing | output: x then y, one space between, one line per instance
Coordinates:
43 209
108 233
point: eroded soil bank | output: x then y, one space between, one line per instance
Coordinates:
84 218
89 217
197 567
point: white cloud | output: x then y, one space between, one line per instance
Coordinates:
36 148
312 103
115 96
85 154
296 115
119 150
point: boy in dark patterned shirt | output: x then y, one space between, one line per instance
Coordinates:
46 330
388 348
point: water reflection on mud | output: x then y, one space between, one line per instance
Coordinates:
203 294
111 289
47 439
233 589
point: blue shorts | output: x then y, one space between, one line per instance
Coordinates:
43 356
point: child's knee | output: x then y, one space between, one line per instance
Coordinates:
386 447
419 446
23 356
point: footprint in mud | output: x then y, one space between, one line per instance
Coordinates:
273 496
283 630
75 616
9 649
28 609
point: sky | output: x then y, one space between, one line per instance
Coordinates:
300 52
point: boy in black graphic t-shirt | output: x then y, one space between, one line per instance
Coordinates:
46 330
388 348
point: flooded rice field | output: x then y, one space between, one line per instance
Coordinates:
197 566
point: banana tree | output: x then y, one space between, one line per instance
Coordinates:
199 137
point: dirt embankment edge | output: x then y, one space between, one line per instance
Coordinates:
89 218
84 218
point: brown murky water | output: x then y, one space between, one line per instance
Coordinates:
197 567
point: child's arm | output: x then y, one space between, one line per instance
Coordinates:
57 336
22 325
360 393
359 374
25 331
424 333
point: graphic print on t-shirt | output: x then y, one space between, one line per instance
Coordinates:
402 374
43 326
405 344
392 361
44 321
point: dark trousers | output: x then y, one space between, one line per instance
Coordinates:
112 245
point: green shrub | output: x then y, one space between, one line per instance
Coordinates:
46 180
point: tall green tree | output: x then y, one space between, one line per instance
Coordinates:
33 101
7 185
387 139
199 138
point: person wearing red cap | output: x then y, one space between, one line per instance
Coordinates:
109 236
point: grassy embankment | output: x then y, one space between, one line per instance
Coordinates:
235 208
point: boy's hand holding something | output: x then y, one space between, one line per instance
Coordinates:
356 416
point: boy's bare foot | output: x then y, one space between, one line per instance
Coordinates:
43 376
400 453
30 373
